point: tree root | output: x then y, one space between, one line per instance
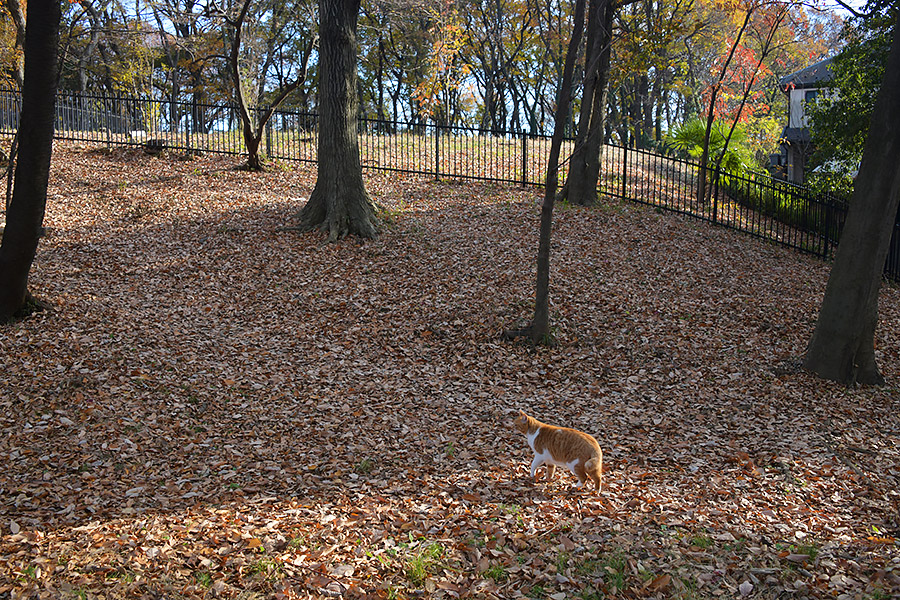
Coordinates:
514 334
31 306
527 332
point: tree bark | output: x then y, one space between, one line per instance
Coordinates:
843 344
540 326
339 204
15 11
25 216
702 188
584 166
254 129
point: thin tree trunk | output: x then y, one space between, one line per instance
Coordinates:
25 216
379 77
710 117
843 344
15 11
748 88
540 326
254 129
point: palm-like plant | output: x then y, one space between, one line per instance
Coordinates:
688 140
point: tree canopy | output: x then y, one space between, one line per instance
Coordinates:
840 118
491 64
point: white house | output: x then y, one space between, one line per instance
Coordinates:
801 87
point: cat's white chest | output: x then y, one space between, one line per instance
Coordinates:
545 457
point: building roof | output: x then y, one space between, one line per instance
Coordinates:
811 77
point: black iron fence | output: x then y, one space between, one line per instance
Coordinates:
791 215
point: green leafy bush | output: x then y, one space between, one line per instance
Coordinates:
688 140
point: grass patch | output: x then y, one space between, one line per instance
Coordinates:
423 563
203 578
365 466
537 591
497 573
811 550
509 509
264 567
613 567
562 561
449 450
122 576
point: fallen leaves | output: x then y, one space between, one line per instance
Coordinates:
215 408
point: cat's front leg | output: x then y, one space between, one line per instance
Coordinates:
551 469
537 462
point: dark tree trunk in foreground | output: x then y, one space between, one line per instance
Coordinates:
540 326
584 167
843 344
339 203
25 216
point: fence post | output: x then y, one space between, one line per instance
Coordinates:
437 151
524 158
625 168
891 264
269 139
715 198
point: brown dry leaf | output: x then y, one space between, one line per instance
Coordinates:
659 583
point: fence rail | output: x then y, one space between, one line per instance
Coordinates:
791 215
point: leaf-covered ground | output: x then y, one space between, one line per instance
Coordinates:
214 408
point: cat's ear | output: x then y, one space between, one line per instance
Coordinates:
522 412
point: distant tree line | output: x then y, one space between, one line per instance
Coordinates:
494 64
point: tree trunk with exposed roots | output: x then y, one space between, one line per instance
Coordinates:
339 203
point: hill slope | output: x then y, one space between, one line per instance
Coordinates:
216 408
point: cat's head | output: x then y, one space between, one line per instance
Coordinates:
521 422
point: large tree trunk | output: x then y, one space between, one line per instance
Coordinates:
584 167
339 203
843 344
25 216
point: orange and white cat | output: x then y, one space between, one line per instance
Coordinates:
564 447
